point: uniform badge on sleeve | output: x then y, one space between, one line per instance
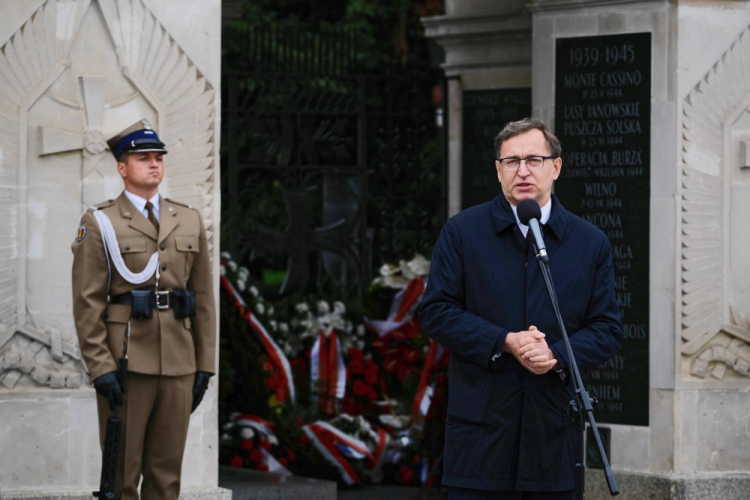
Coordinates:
81 234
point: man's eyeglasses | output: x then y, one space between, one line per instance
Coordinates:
532 162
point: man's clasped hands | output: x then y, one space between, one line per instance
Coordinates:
530 348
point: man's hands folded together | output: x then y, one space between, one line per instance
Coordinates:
530 348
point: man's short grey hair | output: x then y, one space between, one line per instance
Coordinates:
512 129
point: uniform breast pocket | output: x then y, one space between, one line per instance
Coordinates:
133 250
188 247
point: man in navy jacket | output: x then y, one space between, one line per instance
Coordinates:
508 435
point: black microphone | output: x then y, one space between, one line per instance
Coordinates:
530 214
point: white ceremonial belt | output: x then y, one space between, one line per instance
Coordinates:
109 238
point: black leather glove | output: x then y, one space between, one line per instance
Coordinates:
108 386
199 388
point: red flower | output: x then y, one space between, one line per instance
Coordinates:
360 389
247 444
304 440
291 455
372 394
299 364
406 475
263 468
256 456
371 377
411 355
299 421
236 461
354 353
283 461
266 445
271 383
357 366
391 364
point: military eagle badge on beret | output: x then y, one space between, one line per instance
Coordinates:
81 234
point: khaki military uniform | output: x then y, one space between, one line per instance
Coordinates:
164 352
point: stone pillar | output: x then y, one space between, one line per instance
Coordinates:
487 46
697 442
72 73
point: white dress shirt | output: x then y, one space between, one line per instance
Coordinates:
546 210
140 204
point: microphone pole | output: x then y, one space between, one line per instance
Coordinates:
583 405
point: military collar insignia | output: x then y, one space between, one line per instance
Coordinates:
81 233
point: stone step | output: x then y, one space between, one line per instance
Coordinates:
247 484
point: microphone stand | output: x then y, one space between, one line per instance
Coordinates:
583 405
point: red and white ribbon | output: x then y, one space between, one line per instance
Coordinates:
278 359
403 307
425 390
327 371
261 425
274 466
334 444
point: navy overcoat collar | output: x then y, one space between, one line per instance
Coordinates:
502 216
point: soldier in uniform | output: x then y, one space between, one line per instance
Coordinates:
142 284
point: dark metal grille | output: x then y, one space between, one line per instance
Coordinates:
326 173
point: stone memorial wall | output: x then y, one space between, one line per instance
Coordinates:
603 121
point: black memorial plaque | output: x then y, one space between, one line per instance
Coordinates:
485 114
603 118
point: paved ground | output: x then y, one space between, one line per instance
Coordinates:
389 492
253 485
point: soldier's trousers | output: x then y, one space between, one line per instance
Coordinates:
155 418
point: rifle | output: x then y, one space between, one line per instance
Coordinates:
112 434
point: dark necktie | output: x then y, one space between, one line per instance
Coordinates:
151 216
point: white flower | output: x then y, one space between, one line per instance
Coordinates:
232 265
360 330
272 323
234 415
360 344
270 310
223 270
243 272
339 307
419 265
272 439
254 291
228 426
323 307
287 349
283 327
241 285
226 255
259 308
226 438
247 433
348 327
302 307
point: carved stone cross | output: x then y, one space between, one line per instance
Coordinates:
91 142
